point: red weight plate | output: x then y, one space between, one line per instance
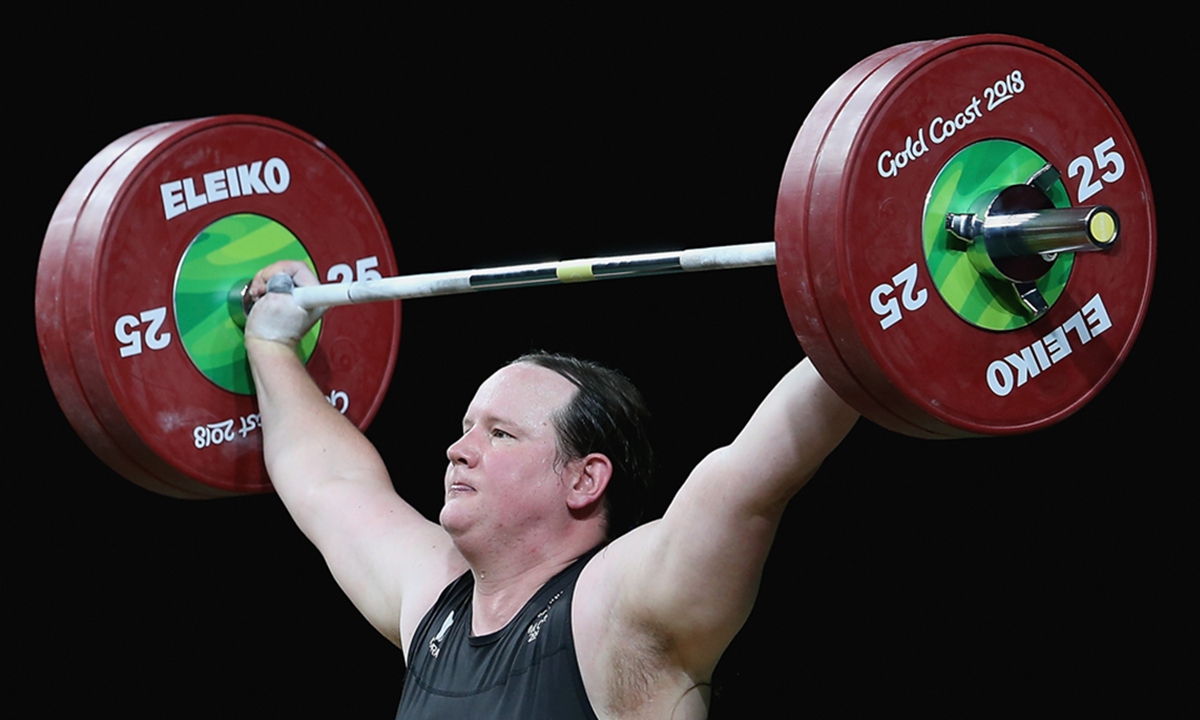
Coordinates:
119 291
877 166
52 339
791 226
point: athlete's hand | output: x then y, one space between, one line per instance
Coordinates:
275 316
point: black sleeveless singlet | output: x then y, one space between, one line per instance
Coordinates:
526 671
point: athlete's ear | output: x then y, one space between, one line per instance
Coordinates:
589 478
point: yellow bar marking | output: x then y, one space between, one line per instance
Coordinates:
575 271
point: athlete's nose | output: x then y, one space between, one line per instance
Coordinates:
461 451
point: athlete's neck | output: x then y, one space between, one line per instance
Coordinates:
501 589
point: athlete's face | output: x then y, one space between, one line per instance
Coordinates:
503 478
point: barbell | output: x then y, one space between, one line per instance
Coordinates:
929 236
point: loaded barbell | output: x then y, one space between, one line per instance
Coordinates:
925 240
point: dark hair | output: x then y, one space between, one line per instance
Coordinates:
607 415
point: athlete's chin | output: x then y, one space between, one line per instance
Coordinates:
453 517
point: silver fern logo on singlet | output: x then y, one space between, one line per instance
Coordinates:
535 627
435 645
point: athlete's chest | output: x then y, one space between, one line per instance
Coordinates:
528 669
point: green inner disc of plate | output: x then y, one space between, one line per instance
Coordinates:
976 170
221 260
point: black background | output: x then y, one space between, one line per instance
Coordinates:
1016 575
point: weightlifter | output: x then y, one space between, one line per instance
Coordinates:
529 600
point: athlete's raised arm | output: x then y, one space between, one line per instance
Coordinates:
687 582
389 559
